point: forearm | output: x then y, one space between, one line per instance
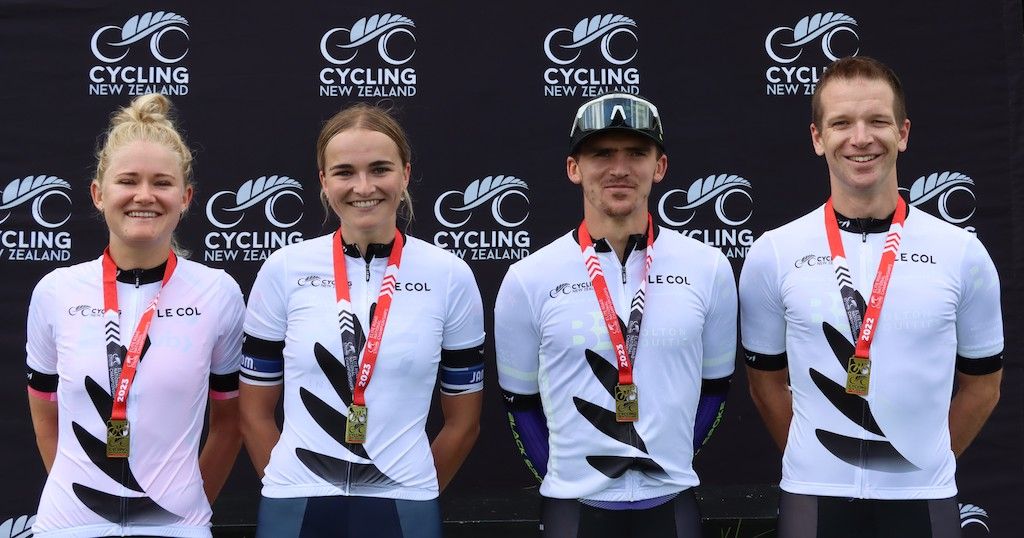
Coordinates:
970 408
774 401
450 448
217 459
44 422
260 438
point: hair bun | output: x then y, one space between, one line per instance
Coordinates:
152 108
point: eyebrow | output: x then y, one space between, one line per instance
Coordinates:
345 166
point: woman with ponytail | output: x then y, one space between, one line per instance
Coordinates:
123 352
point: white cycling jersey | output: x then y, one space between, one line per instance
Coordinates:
292 333
551 339
193 348
942 301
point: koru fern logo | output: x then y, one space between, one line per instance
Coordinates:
50 204
232 240
615 36
139 27
389 74
378 27
36 189
970 514
876 455
733 201
953 193
334 422
167 34
587 31
510 207
20 527
604 421
823 26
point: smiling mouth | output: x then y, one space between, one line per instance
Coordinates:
364 203
862 158
143 214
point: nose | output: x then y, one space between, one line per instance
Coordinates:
619 166
144 193
363 185
861 136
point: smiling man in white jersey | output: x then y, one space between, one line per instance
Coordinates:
855 320
615 343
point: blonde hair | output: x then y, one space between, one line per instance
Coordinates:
147 118
371 118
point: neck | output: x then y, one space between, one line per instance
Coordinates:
858 205
616 230
363 238
126 257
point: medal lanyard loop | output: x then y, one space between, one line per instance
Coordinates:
112 329
624 347
864 331
346 321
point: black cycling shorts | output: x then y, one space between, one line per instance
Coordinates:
811 516
347 517
569 518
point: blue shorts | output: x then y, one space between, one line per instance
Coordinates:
344 517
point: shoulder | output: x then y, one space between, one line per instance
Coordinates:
673 242
88 272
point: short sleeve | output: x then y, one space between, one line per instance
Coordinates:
40 343
227 351
979 321
719 336
267 310
464 319
516 337
762 315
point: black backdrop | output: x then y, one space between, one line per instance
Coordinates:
488 90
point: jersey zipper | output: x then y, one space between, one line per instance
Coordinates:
866 281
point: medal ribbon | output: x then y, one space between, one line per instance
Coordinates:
380 314
864 330
112 328
625 347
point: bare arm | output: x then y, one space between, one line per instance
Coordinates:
44 422
457 436
771 394
259 427
971 406
221 448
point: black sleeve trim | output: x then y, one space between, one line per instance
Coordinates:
462 358
715 387
760 361
264 349
224 382
41 382
520 402
982 366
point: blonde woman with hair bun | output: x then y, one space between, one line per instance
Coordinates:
125 351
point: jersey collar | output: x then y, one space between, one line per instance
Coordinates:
634 242
141 276
866 225
373 250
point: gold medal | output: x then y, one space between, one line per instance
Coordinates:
117 438
858 375
627 404
355 430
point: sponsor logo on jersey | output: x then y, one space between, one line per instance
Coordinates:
85 311
144 54
179 312
949 195
370 58
317 281
971 514
235 238
45 198
595 56
731 197
812 260
567 288
793 72
669 279
473 239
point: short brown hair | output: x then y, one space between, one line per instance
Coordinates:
852 67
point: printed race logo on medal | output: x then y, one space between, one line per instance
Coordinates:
627 403
118 440
858 375
355 429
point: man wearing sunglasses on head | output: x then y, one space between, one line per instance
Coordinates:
616 342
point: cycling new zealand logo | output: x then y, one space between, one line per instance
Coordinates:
40 238
953 195
128 69
510 207
592 58
733 202
793 73
355 71
234 239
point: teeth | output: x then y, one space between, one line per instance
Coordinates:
365 203
142 214
862 158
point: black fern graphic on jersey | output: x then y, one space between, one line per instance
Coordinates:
334 422
604 420
866 454
113 508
